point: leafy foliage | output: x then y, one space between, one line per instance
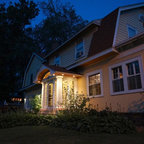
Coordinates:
9 120
36 103
93 122
60 24
16 44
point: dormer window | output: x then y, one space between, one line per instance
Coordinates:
57 60
131 31
79 49
141 18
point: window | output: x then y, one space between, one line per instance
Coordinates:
94 84
57 60
126 77
79 49
117 81
133 75
131 32
31 79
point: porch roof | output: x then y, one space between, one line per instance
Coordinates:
54 70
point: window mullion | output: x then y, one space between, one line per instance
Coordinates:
125 75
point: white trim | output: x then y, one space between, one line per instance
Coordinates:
133 28
93 57
124 69
131 6
116 29
101 82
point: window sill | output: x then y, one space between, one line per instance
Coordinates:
128 92
98 96
79 58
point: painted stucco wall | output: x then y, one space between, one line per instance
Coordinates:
67 55
123 102
33 69
130 18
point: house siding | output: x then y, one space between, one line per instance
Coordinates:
130 18
67 55
121 102
33 69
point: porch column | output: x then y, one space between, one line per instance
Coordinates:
43 95
54 103
59 91
75 86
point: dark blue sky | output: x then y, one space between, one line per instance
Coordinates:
89 9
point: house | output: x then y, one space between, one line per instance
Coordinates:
104 61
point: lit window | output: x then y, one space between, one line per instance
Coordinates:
79 49
131 32
57 60
126 77
94 84
133 75
117 81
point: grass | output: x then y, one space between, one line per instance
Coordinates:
48 135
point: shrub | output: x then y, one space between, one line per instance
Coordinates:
94 122
36 104
22 119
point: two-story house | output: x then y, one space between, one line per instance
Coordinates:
104 61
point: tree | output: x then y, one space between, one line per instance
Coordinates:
60 24
15 43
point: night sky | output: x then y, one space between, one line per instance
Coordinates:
89 9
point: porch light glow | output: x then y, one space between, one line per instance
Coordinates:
73 76
62 74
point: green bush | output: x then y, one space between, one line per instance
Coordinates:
93 122
36 104
22 119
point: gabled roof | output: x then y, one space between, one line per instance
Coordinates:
60 69
33 55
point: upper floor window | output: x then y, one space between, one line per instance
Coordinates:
79 49
95 84
57 60
126 77
131 31
141 18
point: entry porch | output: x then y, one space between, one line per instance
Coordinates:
58 86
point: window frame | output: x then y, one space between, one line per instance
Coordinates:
55 60
101 83
78 42
131 27
125 81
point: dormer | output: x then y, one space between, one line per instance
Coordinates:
130 23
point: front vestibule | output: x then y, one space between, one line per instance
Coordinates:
55 91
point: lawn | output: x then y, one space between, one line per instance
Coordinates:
48 135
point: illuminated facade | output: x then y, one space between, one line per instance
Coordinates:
104 61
